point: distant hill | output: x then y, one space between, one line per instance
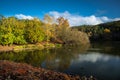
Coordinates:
104 31
110 24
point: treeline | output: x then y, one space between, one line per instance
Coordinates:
106 31
24 31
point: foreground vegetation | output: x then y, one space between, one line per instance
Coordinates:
23 31
17 71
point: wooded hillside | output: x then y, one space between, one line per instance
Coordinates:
105 31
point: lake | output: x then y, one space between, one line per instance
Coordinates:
102 60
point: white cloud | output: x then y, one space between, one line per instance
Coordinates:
76 20
116 19
21 16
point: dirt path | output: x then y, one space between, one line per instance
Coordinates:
6 48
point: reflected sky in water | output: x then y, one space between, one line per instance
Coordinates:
94 57
102 66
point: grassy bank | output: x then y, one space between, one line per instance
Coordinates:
38 46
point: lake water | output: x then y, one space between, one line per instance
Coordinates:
102 60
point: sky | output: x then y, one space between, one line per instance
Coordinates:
78 12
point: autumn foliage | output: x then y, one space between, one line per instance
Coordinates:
23 31
20 71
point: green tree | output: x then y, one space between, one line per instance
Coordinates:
6 35
34 32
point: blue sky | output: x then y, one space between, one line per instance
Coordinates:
74 10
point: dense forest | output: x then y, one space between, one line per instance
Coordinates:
109 31
24 31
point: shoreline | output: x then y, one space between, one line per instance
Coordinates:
22 71
38 46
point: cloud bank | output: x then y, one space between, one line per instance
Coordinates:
76 20
21 16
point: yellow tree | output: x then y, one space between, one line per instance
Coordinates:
48 20
62 28
107 30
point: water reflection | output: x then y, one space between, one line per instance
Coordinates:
101 60
60 59
55 59
102 66
93 57
34 58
